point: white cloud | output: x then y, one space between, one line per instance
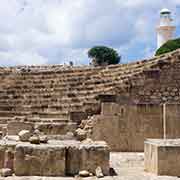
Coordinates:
21 58
56 31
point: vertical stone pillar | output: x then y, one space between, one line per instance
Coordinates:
164 121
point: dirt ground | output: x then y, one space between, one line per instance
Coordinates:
127 166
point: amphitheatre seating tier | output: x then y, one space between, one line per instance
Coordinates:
51 93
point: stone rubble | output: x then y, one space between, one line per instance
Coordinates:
99 173
43 139
5 172
84 173
24 135
35 139
81 134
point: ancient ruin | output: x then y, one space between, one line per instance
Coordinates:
162 156
64 121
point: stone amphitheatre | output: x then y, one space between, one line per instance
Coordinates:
63 122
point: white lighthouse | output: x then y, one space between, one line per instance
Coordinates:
165 29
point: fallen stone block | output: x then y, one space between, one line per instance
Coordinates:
24 135
81 134
5 172
84 173
34 139
99 173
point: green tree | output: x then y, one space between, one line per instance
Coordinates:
102 55
169 46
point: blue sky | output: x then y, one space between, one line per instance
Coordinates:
58 31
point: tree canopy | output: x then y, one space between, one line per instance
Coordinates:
102 55
169 46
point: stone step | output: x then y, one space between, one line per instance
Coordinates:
47 120
39 114
13 113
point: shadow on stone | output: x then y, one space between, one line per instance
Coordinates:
112 172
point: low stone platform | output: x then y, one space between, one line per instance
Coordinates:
162 157
56 158
127 166
39 160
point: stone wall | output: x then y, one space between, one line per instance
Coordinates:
53 94
54 158
125 127
158 84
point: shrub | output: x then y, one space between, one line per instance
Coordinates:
169 46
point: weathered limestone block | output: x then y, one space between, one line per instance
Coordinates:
77 116
7 153
81 134
9 159
110 109
2 153
99 173
106 98
4 131
94 155
162 157
39 160
24 135
5 172
84 173
67 136
13 128
73 159
35 139
87 155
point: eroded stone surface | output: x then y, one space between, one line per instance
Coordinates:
81 134
84 173
35 139
24 135
14 127
128 166
93 155
162 157
56 128
39 160
5 172
5 158
99 173
73 159
55 158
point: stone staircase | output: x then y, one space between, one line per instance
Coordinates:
50 93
